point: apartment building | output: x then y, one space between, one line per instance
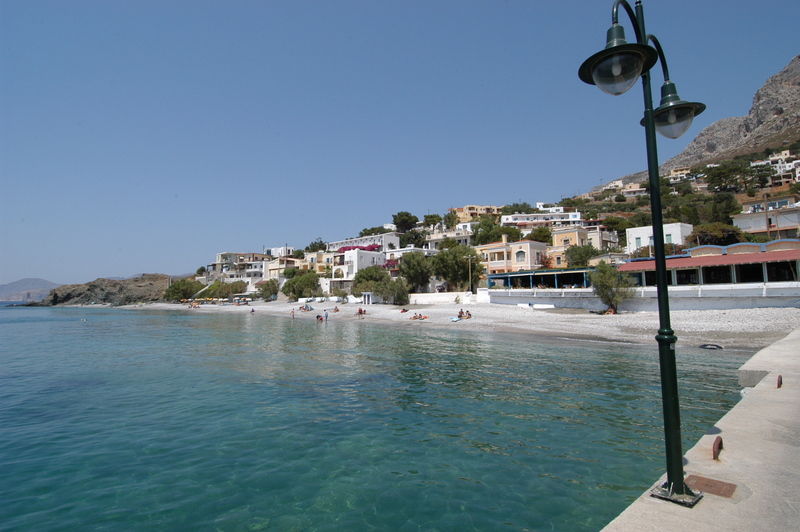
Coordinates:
526 223
381 242
565 237
469 213
229 267
433 240
505 257
776 216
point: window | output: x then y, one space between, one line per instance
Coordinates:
668 238
520 256
638 241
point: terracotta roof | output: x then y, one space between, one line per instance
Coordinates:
713 260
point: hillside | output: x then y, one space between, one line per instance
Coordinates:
773 121
146 288
28 289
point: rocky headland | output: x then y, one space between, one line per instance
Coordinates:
147 288
773 121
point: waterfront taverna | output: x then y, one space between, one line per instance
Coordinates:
744 275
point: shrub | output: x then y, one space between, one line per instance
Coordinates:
611 286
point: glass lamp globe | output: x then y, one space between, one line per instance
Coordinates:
674 116
618 72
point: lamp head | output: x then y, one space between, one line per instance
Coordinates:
674 116
616 68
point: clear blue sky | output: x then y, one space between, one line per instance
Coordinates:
145 136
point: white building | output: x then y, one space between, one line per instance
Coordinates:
348 263
384 241
283 251
634 190
229 267
639 237
548 207
528 222
433 240
779 222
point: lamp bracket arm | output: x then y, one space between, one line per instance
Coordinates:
640 38
661 58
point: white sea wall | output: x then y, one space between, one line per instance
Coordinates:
441 297
706 297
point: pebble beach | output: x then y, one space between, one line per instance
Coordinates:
736 328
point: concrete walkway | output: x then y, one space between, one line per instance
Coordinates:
759 460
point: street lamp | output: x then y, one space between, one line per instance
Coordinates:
615 70
469 265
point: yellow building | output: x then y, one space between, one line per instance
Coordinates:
470 213
505 257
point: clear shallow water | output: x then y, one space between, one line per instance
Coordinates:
134 420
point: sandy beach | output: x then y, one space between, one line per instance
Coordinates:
738 328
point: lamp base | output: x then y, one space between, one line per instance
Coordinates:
688 499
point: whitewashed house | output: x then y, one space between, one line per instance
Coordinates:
639 237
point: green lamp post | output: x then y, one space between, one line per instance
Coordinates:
615 70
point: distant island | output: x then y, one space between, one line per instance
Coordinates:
26 290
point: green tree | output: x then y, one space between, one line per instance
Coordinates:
404 221
223 290
488 231
619 198
542 234
723 207
518 208
618 224
290 273
182 289
718 234
413 237
447 243
377 230
416 269
683 188
640 219
611 286
759 176
394 292
455 264
578 203
298 254
268 290
316 245
377 280
727 176
200 271
450 219
578 256
304 285
367 279
431 219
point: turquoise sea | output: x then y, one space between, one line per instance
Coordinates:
143 420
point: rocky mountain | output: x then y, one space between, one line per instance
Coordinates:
28 289
773 120
146 288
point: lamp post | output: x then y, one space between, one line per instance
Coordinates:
615 70
469 266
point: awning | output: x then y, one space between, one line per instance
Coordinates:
713 260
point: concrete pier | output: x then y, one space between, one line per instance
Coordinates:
754 484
